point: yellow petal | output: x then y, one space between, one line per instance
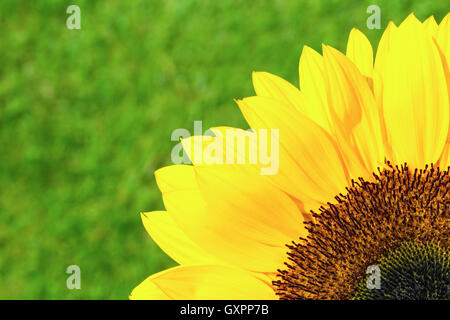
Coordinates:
380 64
359 51
272 86
312 85
148 290
355 115
414 96
310 164
431 25
243 147
241 194
163 229
442 40
443 37
174 178
384 46
248 239
204 283
227 146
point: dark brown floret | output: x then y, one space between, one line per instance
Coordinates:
372 218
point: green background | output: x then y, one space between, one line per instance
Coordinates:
86 117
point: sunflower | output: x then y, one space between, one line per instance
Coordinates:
363 181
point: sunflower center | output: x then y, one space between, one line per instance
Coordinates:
397 221
413 271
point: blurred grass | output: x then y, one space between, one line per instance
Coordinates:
86 117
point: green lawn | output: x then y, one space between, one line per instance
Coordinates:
86 117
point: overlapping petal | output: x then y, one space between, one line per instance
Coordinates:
163 229
312 85
414 95
359 51
204 283
354 113
240 224
308 154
